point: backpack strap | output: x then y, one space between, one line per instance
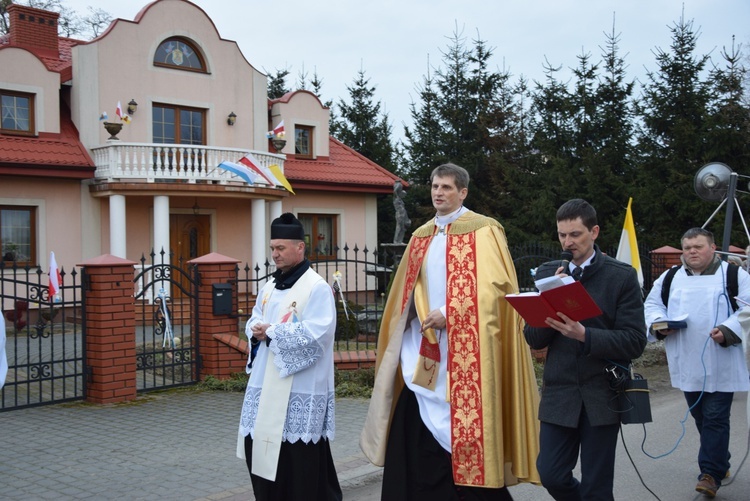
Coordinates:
732 284
666 285
733 287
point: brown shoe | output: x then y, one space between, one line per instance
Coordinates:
707 485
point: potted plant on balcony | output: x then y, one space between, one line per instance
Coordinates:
277 137
114 128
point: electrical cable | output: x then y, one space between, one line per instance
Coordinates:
687 413
622 439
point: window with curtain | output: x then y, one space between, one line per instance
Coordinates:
178 125
320 235
303 141
18 234
16 113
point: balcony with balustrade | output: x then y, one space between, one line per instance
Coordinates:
179 165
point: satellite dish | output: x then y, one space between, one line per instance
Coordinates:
712 181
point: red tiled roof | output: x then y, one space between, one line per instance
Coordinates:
343 169
49 155
61 63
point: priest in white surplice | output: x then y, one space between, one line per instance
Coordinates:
288 411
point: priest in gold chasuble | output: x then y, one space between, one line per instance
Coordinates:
454 405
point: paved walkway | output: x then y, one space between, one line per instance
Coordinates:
172 445
180 445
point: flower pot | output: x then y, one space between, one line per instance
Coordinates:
113 128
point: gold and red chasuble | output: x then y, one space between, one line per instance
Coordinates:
492 391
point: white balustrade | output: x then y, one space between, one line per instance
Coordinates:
153 162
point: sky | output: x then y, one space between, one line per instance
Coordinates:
395 42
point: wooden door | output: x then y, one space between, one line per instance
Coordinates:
190 237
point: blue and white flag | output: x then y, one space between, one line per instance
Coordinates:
240 170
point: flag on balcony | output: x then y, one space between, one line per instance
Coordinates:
55 279
118 110
252 163
276 170
248 175
627 251
278 131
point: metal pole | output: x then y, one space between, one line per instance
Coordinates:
730 212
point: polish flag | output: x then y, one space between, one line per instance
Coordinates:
55 280
118 110
251 162
279 129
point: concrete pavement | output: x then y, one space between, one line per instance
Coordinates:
180 445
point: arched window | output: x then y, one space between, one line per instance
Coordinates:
177 52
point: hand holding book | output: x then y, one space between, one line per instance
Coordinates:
676 323
570 299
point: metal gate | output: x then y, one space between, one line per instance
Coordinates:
45 338
166 332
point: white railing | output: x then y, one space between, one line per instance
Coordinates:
154 162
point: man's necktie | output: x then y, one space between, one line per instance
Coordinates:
577 271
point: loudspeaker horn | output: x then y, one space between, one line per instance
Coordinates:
712 181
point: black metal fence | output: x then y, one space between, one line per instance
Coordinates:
365 278
45 338
359 278
166 333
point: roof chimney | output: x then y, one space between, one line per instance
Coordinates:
33 28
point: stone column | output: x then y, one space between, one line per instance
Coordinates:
259 242
117 226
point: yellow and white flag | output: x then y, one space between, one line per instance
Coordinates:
627 251
276 170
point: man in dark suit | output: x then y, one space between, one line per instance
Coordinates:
578 410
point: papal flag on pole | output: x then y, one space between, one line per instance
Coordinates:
55 279
627 251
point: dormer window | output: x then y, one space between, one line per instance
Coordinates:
303 141
179 53
16 113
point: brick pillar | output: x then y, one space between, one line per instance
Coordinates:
218 358
110 330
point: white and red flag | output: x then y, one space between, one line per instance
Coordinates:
118 110
252 163
278 131
55 279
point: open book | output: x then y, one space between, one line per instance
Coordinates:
565 296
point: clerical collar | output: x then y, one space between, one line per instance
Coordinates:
442 221
288 279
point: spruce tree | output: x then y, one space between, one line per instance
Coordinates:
364 128
674 113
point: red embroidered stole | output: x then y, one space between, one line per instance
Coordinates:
464 369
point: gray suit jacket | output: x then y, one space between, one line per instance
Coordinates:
574 372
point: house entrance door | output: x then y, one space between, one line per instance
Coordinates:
189 238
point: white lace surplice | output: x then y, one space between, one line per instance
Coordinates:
303 349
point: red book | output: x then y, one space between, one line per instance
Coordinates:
571 299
